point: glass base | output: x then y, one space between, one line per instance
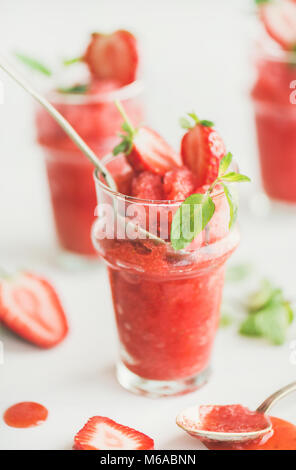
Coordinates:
75 262
159 388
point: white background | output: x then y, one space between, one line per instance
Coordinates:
196 57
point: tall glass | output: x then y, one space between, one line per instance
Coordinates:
274 99
70 175
166 302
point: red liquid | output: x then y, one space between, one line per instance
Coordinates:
276 128
70 174
167 305
25 415
283 437
231 418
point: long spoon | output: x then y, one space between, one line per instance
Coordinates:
188 420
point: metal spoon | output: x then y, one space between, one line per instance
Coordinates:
188 420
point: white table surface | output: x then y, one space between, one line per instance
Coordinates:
76 379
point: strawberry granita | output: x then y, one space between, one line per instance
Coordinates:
90 109
274 100
166 302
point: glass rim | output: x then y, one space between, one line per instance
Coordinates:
123 93
162 202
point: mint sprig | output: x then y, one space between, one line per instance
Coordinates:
191 119
33 64
269 314
126 144
198 209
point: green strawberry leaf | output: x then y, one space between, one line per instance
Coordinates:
190 219
207 123
72 61
76 89
34 64
185 123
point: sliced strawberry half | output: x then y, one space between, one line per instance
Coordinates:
279 19
30 307
202 150
145 149
100 433
113 56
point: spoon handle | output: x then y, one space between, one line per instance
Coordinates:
275 397
66 126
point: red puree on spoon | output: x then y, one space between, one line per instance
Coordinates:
25 415
231 418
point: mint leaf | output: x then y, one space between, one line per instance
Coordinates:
33 64
233 177
273 323
233 205
75 90
289 311
185 123
224 164
249 327
261 297
190 219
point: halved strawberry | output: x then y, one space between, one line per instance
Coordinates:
113 56
279 19
145 149
202 149
100 433
30 307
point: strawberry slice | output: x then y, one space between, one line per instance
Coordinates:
30 307
100 433
202 149
279 19
113 56
145 149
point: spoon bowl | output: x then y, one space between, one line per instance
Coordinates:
189 420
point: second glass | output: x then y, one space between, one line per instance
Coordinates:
70 175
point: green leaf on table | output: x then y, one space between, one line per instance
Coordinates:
34 64
224 164
190 219
261 297
269 314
